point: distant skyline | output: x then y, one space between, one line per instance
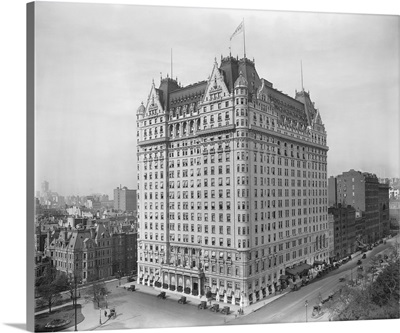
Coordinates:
95 64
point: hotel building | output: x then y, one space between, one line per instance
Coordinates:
232 185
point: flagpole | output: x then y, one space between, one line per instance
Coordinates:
244 40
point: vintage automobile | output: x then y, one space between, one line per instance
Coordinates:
214 307
132 287
225 310
359 262
162 295
202 305
364 256
182 300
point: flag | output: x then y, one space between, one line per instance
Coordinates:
238 30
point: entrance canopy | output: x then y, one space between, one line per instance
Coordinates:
300 269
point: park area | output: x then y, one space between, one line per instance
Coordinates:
58 319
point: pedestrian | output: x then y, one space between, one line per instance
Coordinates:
105 313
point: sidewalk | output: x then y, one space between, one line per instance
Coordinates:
195 300
93 316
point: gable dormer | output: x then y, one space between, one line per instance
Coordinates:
154 105
216 87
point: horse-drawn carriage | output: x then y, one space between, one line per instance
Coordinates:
112 313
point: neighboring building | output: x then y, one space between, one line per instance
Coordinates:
394 193
394 213
331 237
232 185
125 200
85 251
344 231
45 188
363 191
360 229
384 215
124 244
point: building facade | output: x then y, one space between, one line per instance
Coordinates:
232 184
344 231
124 251
125 200
85 251
363 191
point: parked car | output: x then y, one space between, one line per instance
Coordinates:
364 256
131 279
359 262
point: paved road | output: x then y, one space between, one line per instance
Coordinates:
291 308
143 310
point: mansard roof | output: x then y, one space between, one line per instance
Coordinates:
298 111
186 95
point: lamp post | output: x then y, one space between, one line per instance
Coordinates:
75 297
106 301
306 305
100 315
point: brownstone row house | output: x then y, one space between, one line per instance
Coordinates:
93 252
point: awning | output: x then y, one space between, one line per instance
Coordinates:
214 289
221 291
237 293
317 262
151 277
146 276
298 269
140 275
229 292
157 278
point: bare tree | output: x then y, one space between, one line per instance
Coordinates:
49 286
98 290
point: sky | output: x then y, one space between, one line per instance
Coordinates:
95 64
13 131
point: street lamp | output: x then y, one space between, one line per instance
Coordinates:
106 302
100 315
306 305
75 296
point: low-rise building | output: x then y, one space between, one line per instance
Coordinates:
85 251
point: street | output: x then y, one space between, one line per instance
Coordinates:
142 308
291 308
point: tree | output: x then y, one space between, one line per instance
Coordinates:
119 274
98 290
377 300
386 286
49 286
